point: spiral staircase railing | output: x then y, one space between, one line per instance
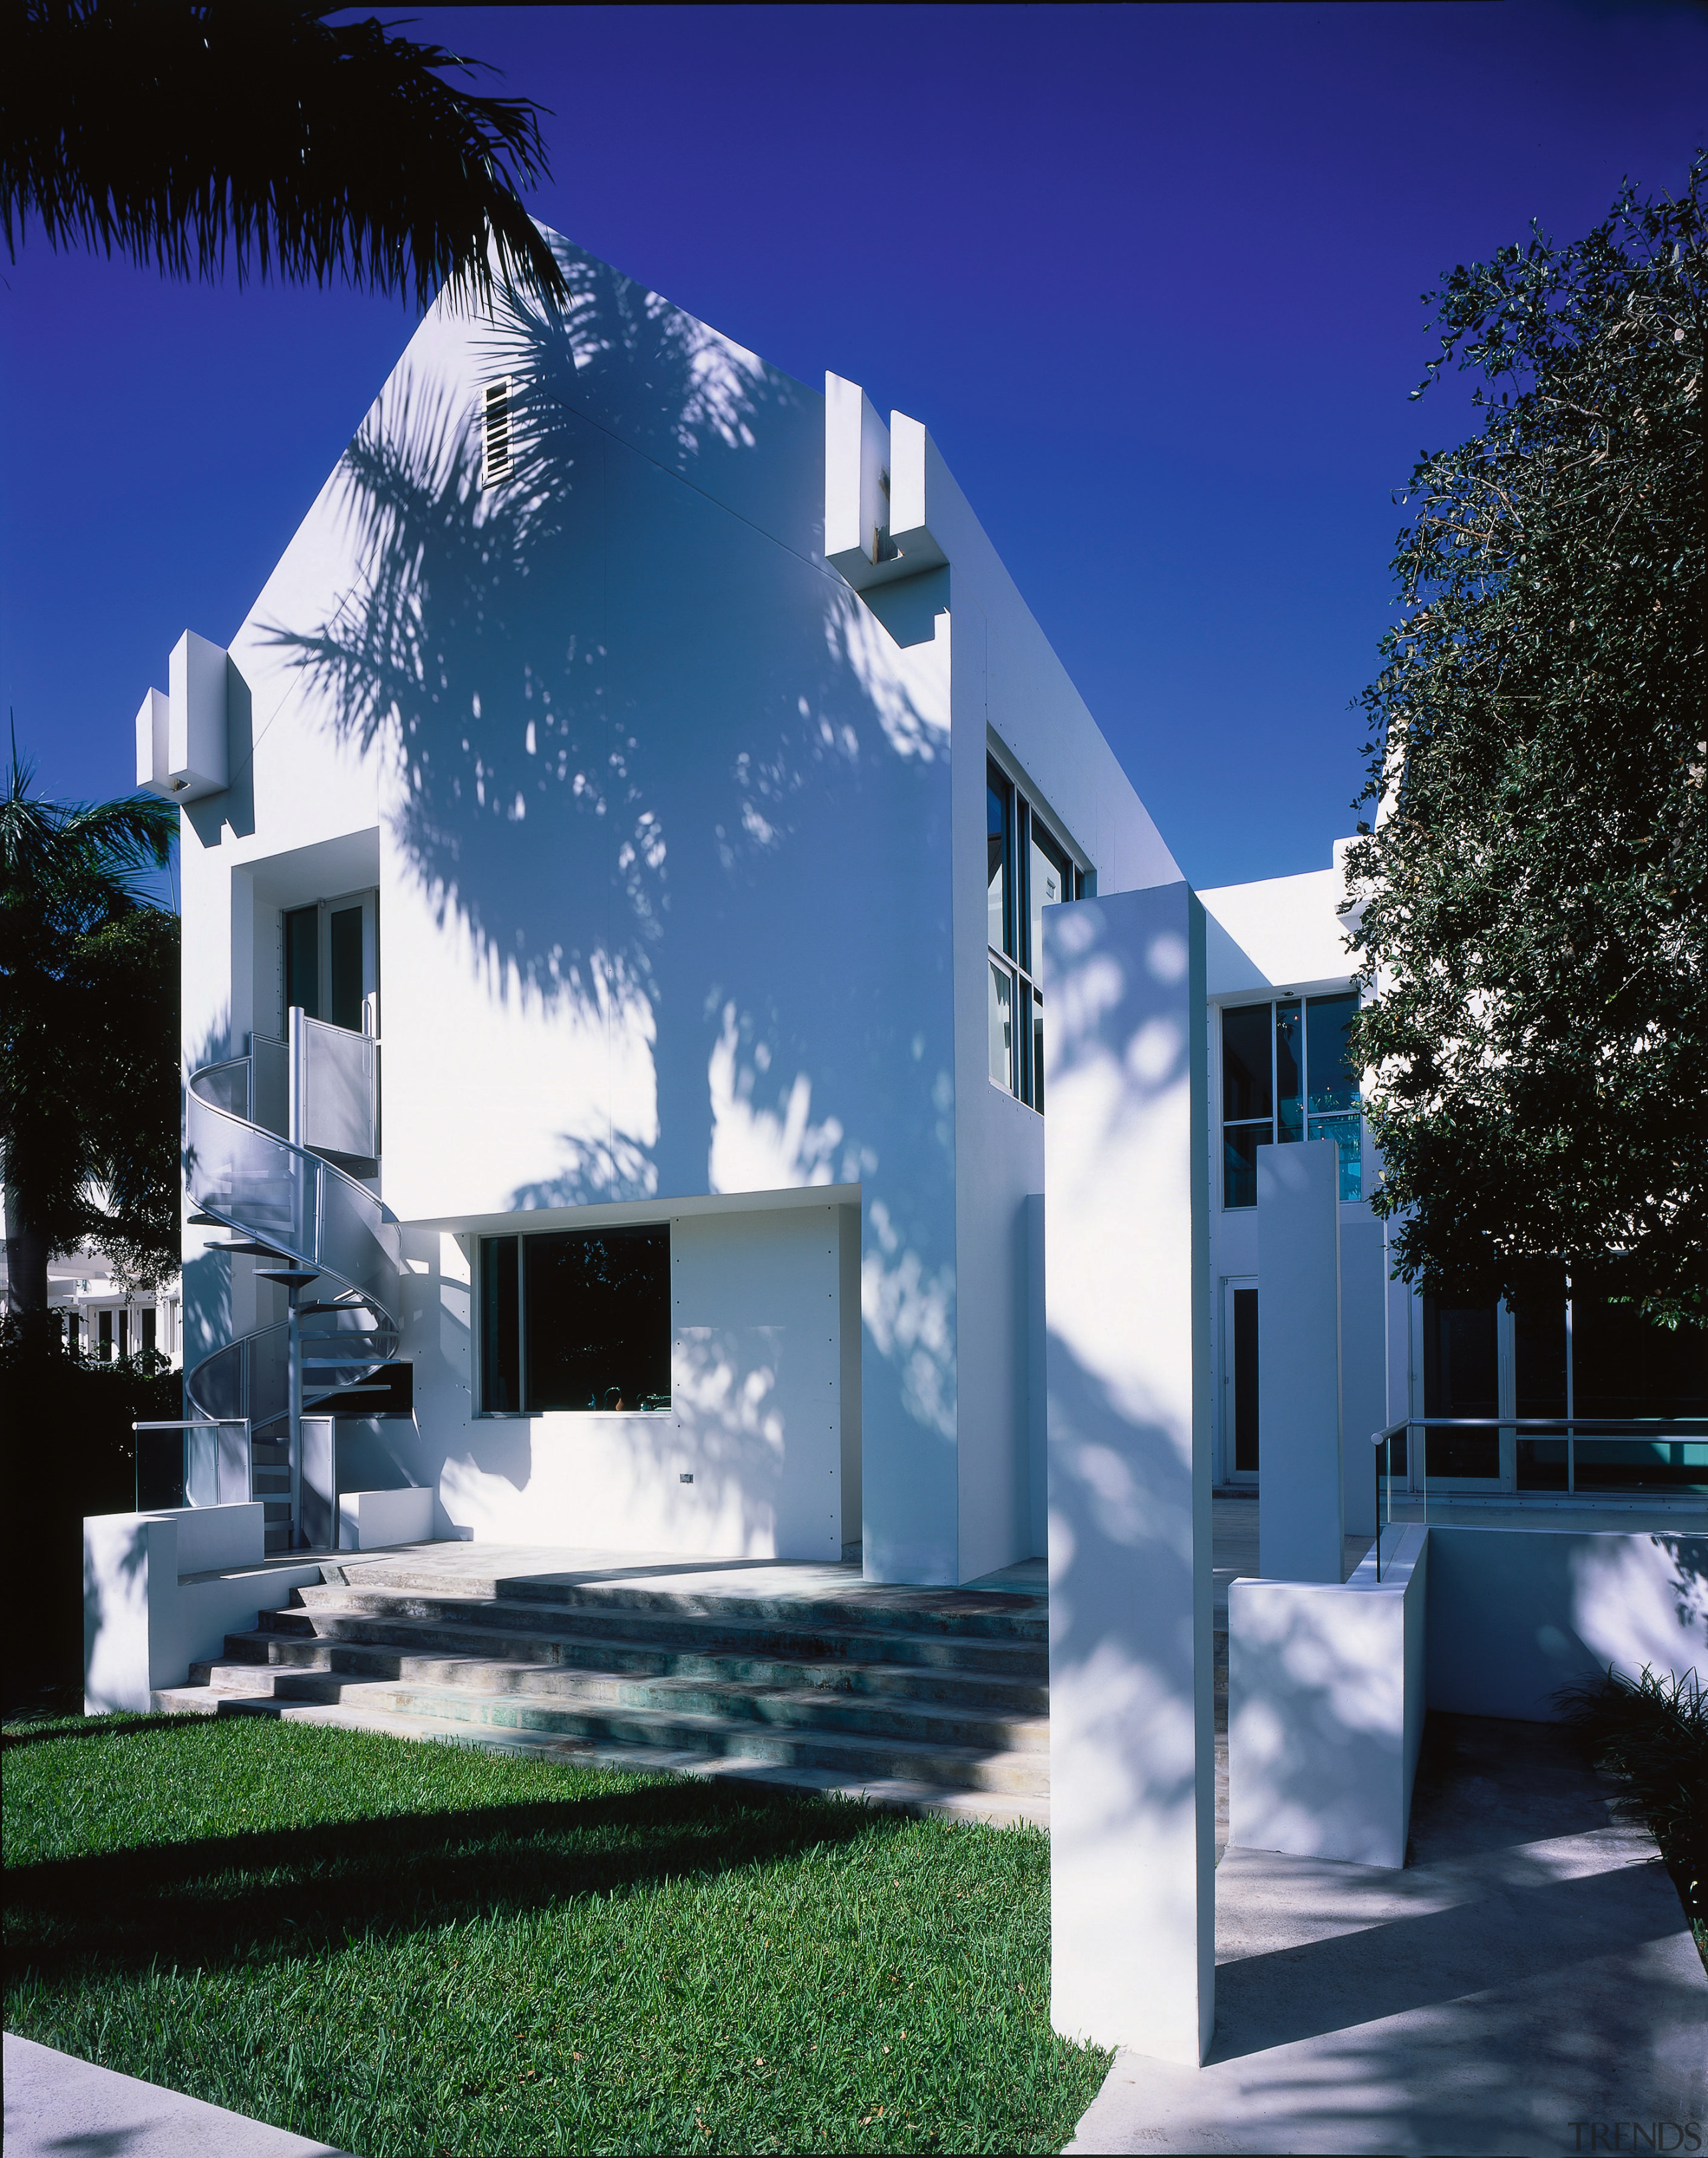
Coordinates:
285 1202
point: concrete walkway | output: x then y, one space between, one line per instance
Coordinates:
1530 1970
59 2107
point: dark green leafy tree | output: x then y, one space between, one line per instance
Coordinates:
88 1024
1535 892
186 132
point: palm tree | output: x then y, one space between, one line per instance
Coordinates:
177 132
88 1033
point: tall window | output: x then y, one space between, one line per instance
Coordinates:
575 1320
1286 1075
1027 868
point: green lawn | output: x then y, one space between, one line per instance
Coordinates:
402 1949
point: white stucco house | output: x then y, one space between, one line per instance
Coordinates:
644 782
697 1051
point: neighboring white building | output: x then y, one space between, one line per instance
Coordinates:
654 759
105 1319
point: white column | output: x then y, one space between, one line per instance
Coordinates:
1300 1498
1132 1739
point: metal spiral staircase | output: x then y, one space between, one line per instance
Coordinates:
315 1226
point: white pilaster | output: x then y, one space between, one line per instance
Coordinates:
1132 1758
1300 1507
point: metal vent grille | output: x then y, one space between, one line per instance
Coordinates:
495 432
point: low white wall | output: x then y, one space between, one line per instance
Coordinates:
371 1521
147 1615
1325 1708
1516 1612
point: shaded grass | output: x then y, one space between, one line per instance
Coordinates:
398 1947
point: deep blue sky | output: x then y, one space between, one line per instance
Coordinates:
1150 275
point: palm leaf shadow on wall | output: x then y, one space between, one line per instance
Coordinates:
618 703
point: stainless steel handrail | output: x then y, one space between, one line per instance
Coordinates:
272 1191
1614 1430
186 1425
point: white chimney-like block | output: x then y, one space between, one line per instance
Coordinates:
151 729
911 454
874 491
197 759
856 478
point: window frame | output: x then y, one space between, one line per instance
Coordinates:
1311 1122
478 1332
1025 824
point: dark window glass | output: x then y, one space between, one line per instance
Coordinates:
1289 1087
1459 1380
346 940
1334 1083
124 1334
1245 1062
500 1339
1245 1381
1622 1365
302 960
998 817
1539 1347
150 1333
104 1335
1239 1145
1539 1375
598 1319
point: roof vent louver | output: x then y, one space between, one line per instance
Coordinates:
495 432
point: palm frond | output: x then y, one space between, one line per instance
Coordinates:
188 132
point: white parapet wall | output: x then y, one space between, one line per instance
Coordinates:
1515 1613
371 1521
1326 1699
161 1590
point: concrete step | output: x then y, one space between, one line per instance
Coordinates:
901 1794
664 1626
381 1644
526 1687
960 1613
648 1732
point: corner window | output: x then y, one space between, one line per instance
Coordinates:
580 1320
1027 868
1286 1075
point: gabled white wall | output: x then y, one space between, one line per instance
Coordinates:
678 843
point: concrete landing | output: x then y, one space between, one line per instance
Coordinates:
1530 1970
59 2107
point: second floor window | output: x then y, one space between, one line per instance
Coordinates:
1027 868
1286 1075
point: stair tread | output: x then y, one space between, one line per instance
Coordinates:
788 1615
1003 1807
496 1651
853 1770
597 1690
692 1719
500 1650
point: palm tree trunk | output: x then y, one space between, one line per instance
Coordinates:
26 1264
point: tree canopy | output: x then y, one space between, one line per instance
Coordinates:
89 1053
183 132
1532 902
